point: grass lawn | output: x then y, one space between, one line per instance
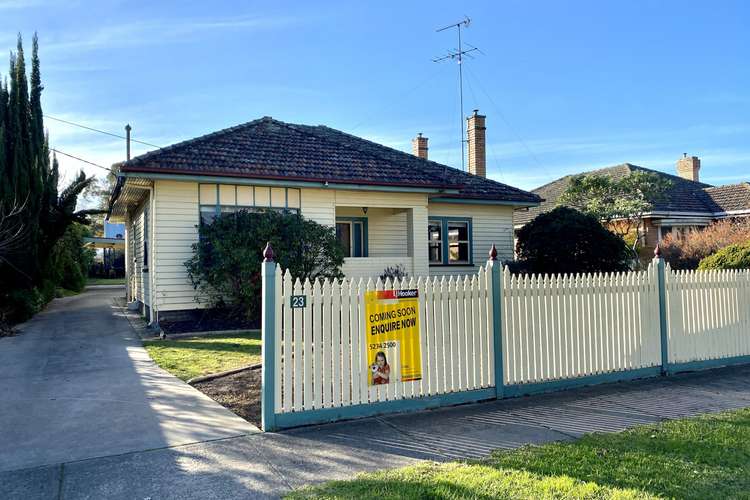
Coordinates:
701 457
105 281
188 358
64 292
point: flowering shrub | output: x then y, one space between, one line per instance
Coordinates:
685 250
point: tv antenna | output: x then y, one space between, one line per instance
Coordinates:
458 56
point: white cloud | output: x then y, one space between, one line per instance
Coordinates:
151 32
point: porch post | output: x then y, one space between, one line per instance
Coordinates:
268 336
661 276
494 268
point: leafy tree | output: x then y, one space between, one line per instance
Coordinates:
619 203
568 241
732 257
226 261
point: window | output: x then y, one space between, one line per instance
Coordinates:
458 242
435 241
218 199
449 241
351 233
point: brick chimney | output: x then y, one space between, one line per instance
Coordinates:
688 167
419 146
476 140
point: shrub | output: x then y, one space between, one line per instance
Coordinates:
684 250
731 257
568 241
21 304
69 260
394 272
226 261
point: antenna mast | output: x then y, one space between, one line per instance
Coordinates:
458 55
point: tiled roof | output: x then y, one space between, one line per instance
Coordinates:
272 149
732 197
683 196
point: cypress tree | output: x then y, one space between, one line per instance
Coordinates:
4 180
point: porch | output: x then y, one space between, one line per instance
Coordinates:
376 238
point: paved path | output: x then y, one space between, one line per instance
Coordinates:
267 465
76 384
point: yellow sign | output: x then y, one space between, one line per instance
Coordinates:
392 329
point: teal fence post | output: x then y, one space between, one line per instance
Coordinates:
494 268
268 336
661 273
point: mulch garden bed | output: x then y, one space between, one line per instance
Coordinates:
206 321
239 392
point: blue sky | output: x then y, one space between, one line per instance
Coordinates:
566 86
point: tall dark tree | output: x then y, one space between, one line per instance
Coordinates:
33 214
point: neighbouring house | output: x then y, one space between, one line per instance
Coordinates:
109 259
687 204
388 207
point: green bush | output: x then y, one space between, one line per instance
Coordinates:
22 304
226 261
69 260
565 240
731 257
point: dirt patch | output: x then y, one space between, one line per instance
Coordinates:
239 392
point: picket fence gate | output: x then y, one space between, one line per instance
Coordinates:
493 335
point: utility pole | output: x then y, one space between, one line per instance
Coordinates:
458 55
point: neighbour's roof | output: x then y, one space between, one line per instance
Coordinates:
731 198
684 195
271 149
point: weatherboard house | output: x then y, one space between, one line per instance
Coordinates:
388 207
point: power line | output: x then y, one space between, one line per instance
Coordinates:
505 120
81 159
100 131
394 103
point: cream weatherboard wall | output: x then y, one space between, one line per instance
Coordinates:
176 219
491 224
139 278
397 232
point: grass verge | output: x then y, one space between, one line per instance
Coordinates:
700 457
192 357
105 281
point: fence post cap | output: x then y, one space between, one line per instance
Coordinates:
657 251
268 253
493 252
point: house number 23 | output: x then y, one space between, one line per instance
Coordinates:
299 301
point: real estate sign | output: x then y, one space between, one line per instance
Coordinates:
393 342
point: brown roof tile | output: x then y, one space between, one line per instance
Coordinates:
272 149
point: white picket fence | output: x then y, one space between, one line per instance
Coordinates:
568 326
554 328
321 348
708 314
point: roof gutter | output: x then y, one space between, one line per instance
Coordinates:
255 181
474 201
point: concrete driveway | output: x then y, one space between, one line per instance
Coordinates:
85 414
76 384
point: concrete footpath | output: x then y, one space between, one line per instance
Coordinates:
256 465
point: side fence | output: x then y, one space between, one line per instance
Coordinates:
490 335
